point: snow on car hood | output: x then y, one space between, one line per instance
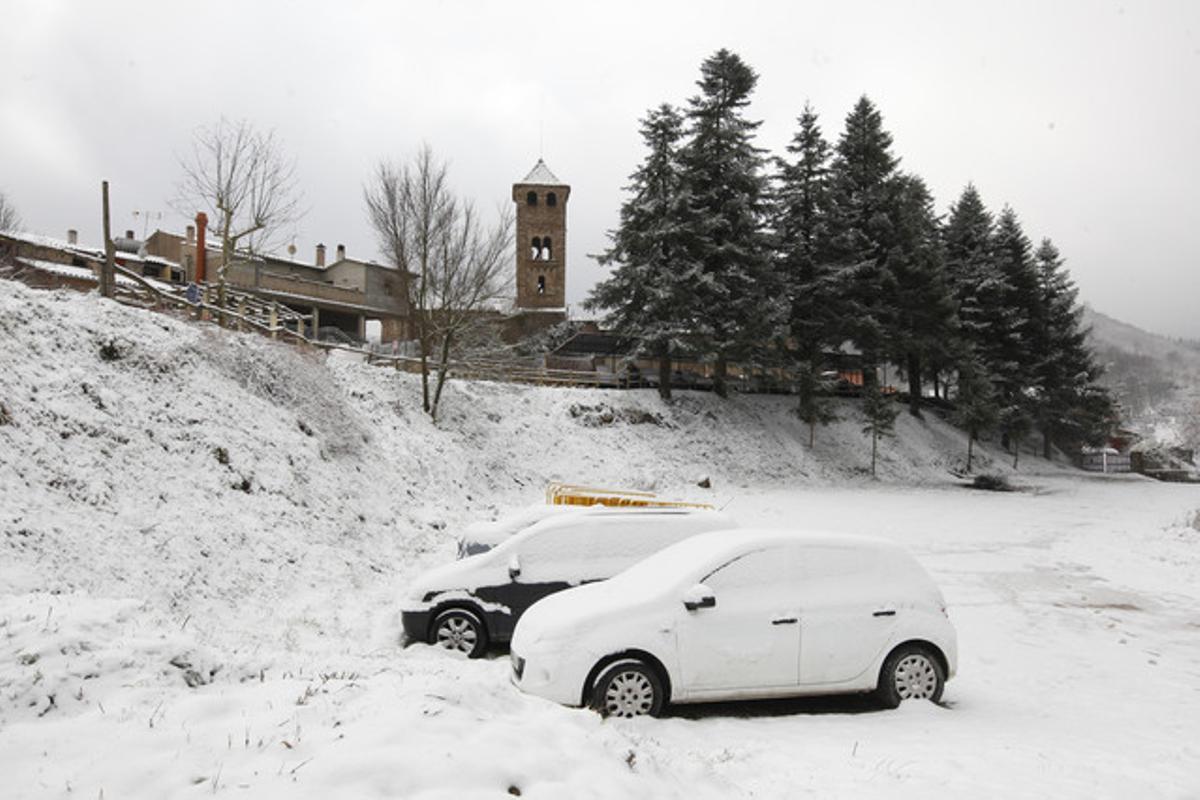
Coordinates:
583 607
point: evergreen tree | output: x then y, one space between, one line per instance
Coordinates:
1069 403
813 405
723 173
1014 339
802 200
975 407
881 413
920 320
861 227
976 285
649 295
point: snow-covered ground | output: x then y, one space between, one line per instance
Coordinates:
204 534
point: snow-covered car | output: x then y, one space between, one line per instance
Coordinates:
742 614
478 599
479 537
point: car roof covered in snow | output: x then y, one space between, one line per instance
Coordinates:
711 549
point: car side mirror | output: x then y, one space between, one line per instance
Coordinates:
699 596
514 567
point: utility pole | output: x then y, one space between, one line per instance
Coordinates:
107 273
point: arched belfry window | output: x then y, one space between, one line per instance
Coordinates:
536 248
541 284
551 199
531 199
547 252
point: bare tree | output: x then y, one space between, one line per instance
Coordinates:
10 220
454 265
241 177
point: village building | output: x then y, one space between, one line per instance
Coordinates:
541 253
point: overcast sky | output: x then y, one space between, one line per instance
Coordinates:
1084 116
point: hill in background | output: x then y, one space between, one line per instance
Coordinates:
1156 379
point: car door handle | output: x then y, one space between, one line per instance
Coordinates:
784 621
884 612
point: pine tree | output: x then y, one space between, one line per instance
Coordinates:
1014 338
723 172
861 227
975 407
975 283
921 325
650 294
1069 402
802 201
881 413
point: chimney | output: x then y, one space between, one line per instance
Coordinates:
341 251
72 236
128 234
191 234
201 252
320 255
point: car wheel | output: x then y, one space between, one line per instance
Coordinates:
628 689
460 630
911 672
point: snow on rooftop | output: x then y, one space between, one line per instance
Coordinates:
49 241
69 271
542 174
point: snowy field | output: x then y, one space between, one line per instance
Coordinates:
204 536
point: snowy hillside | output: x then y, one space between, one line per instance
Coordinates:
1156 379
209 465
204 535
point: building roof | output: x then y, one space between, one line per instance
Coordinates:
542 174
597 344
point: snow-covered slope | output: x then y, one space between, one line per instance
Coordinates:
221 475
1156 379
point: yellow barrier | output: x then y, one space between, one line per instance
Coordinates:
569 494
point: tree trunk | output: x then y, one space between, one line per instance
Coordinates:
937 384
1016 452
812 433
874 450
226 260
970 449
1046 442
443 368
424 375
664 373
720 371
914 384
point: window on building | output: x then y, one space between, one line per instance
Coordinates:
541 284
551 199
531 199
536 248
547 253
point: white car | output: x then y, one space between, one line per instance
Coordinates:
478 599
742 614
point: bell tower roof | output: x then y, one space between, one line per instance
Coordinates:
541 174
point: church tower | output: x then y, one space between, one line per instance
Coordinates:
541 240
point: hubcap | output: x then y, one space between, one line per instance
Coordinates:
916 678
629 694
457 633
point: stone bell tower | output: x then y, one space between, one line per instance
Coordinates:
541 240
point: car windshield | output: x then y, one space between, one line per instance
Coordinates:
692 558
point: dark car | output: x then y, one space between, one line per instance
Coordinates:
478 599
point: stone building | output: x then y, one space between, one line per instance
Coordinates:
344 293
541 252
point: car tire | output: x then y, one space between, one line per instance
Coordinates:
628 688
910 672
459 630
